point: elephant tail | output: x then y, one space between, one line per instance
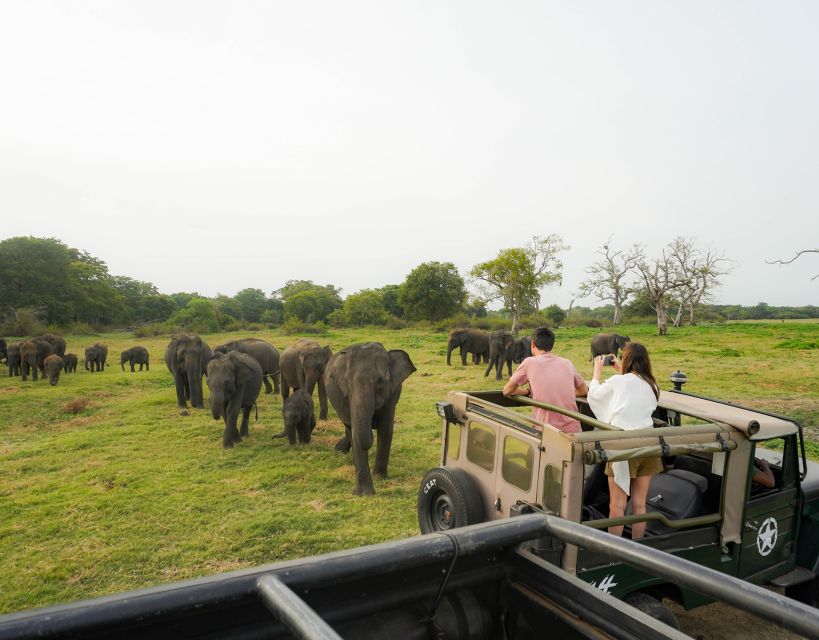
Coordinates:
256 406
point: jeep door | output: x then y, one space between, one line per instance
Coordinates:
770 522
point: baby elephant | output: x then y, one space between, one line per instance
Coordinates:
70 363
234 380
299 417
52 367
135 355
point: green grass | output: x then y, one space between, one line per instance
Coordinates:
105 487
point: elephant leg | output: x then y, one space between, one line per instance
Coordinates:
276 386
382 453
345 441
245 421
509 367
181 394
322 394
132 368
488 369
463 355
267 387
362 443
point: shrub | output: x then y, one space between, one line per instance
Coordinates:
337 318
155 329
84 329
294 326
396 323
23 322
797 344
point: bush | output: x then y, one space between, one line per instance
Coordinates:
83 329
337 318
294 326
22 322
396 323
155 329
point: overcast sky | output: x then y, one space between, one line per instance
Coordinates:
213 146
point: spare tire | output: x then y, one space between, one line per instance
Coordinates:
448 499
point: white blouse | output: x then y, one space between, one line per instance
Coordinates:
626 401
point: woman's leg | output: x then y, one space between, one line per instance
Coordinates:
617 504
639 493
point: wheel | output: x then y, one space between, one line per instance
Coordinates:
653 607
448 499
805 592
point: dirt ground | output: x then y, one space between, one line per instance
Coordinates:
720 621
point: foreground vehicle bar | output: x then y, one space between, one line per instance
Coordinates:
762 602
293 612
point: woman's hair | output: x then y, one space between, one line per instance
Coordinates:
635 360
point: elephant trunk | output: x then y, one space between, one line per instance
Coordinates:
194 373
362 408
218 406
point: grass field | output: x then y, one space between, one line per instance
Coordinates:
105 487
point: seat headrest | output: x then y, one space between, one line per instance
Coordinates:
702 483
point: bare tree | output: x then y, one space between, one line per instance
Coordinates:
794 258
700 270
608 276
661 276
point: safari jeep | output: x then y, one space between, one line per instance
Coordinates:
497 461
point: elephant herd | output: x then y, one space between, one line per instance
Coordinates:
501 347
363 383
45 356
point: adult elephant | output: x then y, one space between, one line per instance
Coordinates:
57 342
3 349
265 354
135 356
364 384
302 367
187 358
234 380
13 359
501 349
605 343
472 341
95 357
32 356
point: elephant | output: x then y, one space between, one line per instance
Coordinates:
32 356
13 359
472 341
302 367
70 363
52 367
187 358
95 357
299 417
364 385
266 355
135 355
57 342
501 349
234 380
522 349
3 350
605 343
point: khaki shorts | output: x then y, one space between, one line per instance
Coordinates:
640 467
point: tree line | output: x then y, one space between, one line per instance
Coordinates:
45 281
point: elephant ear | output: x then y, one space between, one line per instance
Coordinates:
508 341
401 366
338 372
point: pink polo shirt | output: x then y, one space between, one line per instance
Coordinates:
551 379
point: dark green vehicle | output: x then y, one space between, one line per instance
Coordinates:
497 461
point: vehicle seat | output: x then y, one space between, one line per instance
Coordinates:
677 494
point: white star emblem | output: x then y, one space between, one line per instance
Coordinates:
766 537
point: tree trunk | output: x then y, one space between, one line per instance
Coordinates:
515 322
678 317
661 319
616 318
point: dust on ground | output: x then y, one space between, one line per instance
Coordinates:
719 621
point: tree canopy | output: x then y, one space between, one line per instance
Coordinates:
432 291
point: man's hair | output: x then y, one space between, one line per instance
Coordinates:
544 338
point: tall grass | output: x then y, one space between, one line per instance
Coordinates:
105 487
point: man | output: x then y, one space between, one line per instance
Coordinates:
551 379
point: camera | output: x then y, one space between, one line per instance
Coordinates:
608 361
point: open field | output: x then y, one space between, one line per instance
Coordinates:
105 487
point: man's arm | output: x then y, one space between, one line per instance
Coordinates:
512 388
763 474
582 390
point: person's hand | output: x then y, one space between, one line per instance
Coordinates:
617 364
598 367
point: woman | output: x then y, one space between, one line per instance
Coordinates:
627 400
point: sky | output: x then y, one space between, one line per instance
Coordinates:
213 146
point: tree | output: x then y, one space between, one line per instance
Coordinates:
516 275
608 276
252 304
701 271
96 298
555 314
312 305
365 307
199 315
432 291
660 277
799 253
389 298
